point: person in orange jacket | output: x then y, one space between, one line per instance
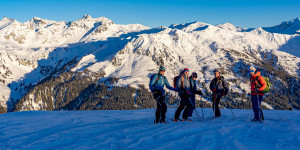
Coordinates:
258 84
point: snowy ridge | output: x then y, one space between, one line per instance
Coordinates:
129 129
5 22
33 50
287 27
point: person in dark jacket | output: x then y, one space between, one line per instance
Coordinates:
157 83
184 87
220 88
258 84
194 91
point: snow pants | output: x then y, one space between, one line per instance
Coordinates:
185 104
161 110
193 105
256 101
216 100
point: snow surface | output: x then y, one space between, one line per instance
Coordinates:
134 129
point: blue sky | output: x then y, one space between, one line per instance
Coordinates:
154 13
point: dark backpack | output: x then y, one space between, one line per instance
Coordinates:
175 81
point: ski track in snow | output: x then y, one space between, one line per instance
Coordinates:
127 129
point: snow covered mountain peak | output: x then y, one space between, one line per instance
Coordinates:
36 21
6 19
87 17
296 20
192 26
286 27
227 26
38 48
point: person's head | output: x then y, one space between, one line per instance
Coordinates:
162 70
194 76
252 70
217 72
186 71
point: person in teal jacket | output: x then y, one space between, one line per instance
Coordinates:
157 84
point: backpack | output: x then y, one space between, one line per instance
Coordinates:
152 76
175 81
267 89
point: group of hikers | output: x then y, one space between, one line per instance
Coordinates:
186 87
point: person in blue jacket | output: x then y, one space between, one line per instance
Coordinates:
157 84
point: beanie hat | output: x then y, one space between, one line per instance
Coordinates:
186 69
217 70
162 68
194 74
252 68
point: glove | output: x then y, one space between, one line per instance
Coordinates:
199 92
257 90
180 92
163 91
188 92
214 90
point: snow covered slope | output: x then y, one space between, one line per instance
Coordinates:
287 27
113 129
38 49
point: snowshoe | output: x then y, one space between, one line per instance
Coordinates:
162 121
175 120
186 120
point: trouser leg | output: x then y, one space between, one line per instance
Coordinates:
260 99
193 106
159 103
188 107
163 112
255 106
180 108
217 111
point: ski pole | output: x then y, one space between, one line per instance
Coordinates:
158 101
230 108
198 116
202 109
214 104
261 115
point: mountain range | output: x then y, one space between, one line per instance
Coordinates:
93 63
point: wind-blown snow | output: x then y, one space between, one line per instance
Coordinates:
134 129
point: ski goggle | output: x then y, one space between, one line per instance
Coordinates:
251 71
